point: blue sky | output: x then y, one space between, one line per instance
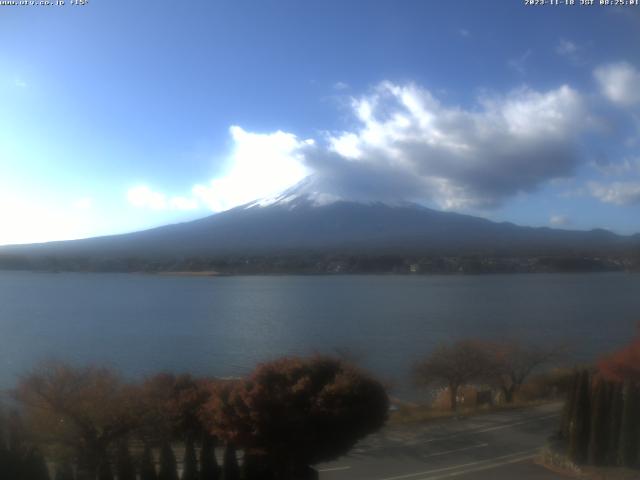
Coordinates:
117 116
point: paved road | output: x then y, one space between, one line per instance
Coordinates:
495 446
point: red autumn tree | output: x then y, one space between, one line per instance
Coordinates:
83 410
172 404
298 411
623 365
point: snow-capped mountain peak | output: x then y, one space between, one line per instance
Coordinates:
311 192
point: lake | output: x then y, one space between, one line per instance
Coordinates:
223 326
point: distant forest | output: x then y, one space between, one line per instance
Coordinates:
326 264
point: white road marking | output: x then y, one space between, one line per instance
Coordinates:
491 429
447 452
524 455
483 467
333 469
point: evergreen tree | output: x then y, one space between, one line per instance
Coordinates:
629 441
255 467
615 421
125 470
147 465
15 433
190 465
34 466
5 456
64 470
230 469
569 405
168 465
580 421
598 429
209 469
104 470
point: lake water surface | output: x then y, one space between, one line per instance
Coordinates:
223 326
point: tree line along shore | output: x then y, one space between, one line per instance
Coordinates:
310 263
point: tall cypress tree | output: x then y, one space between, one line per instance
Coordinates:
5 457
35 466
255 467
598 429
615 422
125 468
147 467
104 470
63 470
209 469
230 469
629 433
168 465
569 405
580 421
190 464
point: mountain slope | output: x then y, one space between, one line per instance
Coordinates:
298 223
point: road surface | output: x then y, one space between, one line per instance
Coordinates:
494 446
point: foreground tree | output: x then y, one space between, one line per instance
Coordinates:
569 405
209 469
83 409
298 411
515 362
455 365
614 424
34 466
168 465
630 426
104 470
125 469
255 467
171 407
623 365
623 368
581 420
63 470
147 467
190 462
230 467
598 428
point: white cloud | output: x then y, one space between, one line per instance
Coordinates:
619 83
20 83
410 145
406 145
261 164
569 50
559 220
183 203
463 32
627 166
142 196
340 86
566 47
617 193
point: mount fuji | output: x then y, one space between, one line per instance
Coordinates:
307 221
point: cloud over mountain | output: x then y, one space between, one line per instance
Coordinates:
409 145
